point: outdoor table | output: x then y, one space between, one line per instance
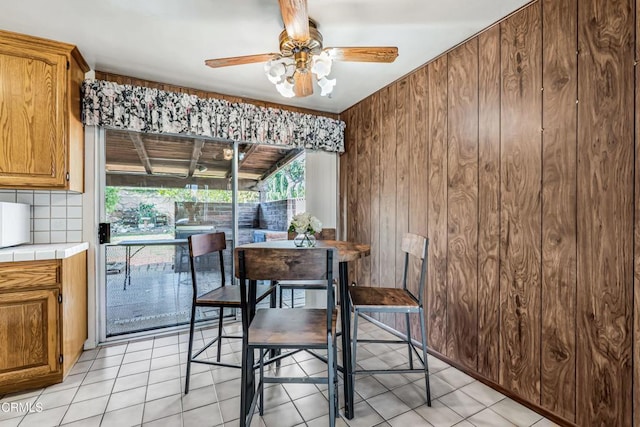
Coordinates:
142 244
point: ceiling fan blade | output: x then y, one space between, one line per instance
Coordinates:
239 60
296 19
363 54
303 84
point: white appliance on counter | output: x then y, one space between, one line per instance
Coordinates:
15 224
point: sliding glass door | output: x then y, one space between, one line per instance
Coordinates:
160 189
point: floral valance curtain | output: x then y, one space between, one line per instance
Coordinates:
149 110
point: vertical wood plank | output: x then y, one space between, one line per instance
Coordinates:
374 227
489 202
520 230
418 147
352 132
559 115
462 205
419 174
388 191
437 207
605 212
636 234
365 139
403 101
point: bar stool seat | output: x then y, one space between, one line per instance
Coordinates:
375 298
287 328
229 296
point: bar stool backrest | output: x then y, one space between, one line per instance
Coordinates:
203 244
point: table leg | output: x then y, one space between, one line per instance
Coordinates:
127 260
248 386
247 380
345 314
273 304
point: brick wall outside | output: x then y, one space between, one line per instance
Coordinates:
277 215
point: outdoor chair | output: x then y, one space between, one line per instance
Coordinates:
395 300
275 329
221 298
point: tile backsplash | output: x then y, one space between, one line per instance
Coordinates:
56 216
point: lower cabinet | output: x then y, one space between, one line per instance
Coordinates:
43 321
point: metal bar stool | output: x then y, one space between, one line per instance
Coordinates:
221 298
396 300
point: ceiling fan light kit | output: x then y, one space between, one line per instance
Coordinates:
326 85
321 65
285 88
282 72
302 55
275 70
298 57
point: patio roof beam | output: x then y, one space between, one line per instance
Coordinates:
282 163
138 143
162 181
252 149
195 156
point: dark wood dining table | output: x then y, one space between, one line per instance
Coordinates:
346 252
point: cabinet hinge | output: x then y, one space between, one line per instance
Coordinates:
59 298
67 176
60 359
68 65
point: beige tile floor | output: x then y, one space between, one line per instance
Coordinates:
141 383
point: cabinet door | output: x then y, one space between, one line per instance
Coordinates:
32 111
29 337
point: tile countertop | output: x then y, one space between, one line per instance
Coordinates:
41 252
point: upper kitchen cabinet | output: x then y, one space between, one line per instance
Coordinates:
41 133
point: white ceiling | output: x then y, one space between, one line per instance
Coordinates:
168 40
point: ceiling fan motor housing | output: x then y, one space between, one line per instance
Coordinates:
301 51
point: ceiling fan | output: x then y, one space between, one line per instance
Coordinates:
302 54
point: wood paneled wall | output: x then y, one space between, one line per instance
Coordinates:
514 153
